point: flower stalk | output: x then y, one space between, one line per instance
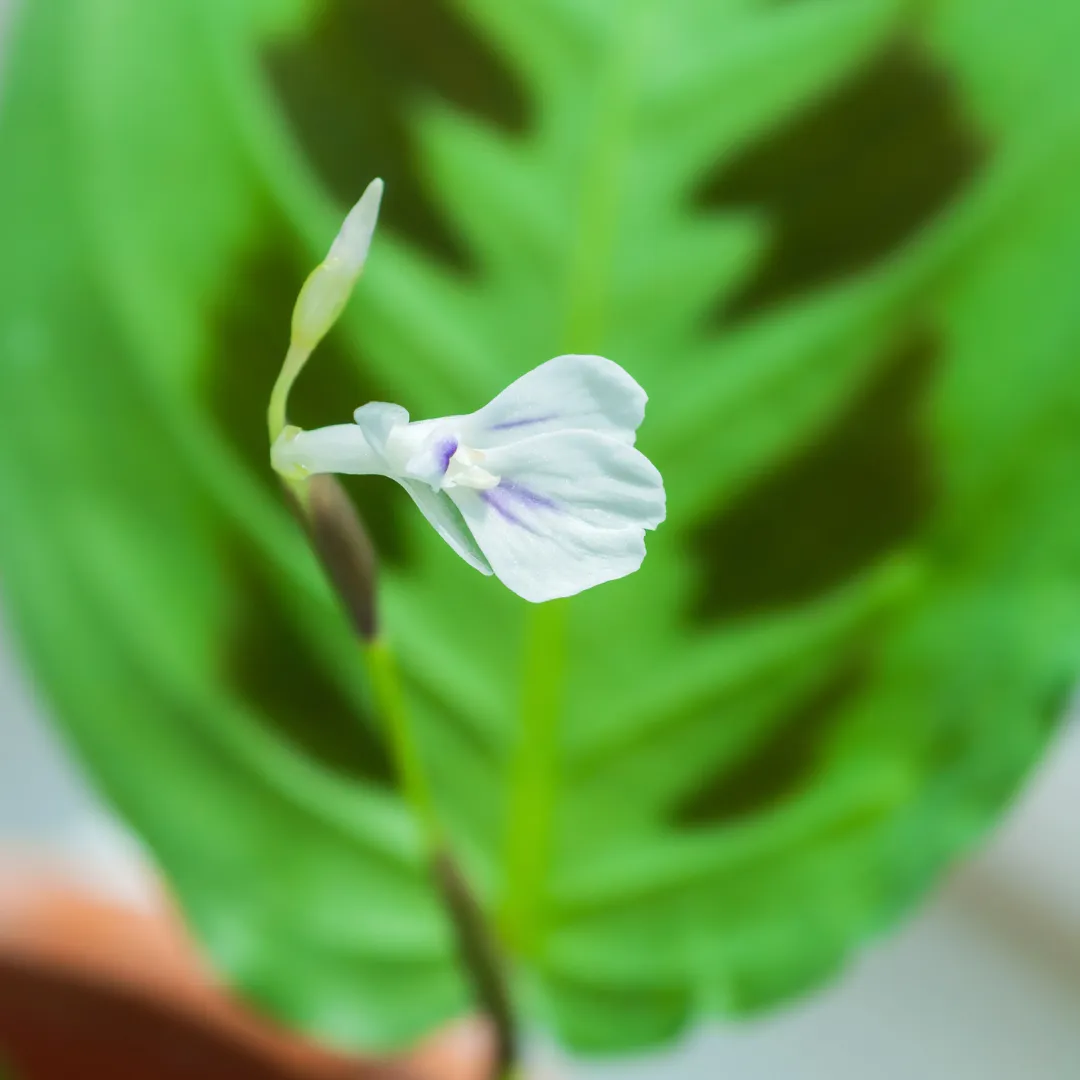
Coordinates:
339 539
390 698
482 960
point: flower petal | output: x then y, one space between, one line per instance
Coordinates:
541 566
377 419
570 512
599 480
447 521
574 392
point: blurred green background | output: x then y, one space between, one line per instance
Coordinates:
836 240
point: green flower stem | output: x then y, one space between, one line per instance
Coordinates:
477 946
390 700
337 537
295 359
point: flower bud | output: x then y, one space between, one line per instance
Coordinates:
328 287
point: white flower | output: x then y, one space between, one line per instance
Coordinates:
542 486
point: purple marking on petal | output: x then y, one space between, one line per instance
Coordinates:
506 425
502 498
526 495
447 450
497 500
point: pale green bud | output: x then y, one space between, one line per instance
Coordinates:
328 287
324 296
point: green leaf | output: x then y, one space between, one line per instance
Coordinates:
836 246
119 576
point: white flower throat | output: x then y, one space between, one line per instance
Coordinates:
430 453
466 469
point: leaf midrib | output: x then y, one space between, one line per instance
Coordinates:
534 765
